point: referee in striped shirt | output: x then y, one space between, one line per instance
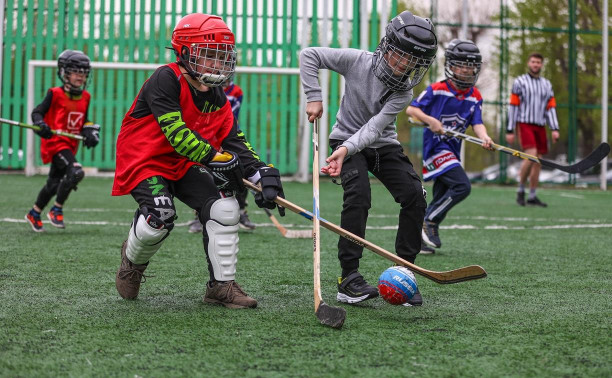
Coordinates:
532 106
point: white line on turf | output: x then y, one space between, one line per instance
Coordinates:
504 219
482 218
569 195
444 227
90 223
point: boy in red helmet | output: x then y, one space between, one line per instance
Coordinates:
180 140
65 109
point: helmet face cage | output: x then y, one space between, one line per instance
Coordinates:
212 64
465 73
397 69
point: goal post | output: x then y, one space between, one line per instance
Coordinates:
293 128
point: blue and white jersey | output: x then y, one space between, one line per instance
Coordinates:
456 111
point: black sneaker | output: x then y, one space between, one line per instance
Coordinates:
416 300
426 250
354 289
520 198
245 222
535 201
430 234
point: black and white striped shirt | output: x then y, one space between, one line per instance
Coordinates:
532 101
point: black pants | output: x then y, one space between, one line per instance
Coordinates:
450 188
195 189
58 181
395 172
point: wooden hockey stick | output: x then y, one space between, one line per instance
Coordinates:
467 273
290 234
327 315
590 161
36 128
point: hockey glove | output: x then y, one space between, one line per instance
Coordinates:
271 187
44 130
227 172
91 133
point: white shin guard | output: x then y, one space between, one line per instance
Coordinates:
222 229
143 241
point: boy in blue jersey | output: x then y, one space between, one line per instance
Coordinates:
455 104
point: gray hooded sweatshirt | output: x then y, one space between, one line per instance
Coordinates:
365 118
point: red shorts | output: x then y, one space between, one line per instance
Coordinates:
533 136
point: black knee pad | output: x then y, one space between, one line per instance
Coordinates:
73 176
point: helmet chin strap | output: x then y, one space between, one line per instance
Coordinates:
460 86
185 64
192 74
75 91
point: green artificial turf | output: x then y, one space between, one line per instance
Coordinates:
544 310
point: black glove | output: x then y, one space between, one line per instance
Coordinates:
227 172
91 133
44 130
271 187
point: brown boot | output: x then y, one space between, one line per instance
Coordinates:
228 294
129 276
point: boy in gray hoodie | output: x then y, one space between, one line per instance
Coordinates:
364 138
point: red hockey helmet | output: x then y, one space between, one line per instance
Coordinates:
205 47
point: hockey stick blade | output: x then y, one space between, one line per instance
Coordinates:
330 316
472 272
590 161
289 234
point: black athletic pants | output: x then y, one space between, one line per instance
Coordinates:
395 172
58 182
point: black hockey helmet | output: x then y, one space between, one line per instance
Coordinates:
462 54
73 61
405 53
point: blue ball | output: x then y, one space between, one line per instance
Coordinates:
397 285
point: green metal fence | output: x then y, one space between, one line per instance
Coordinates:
139 31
